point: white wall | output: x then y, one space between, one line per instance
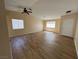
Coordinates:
76 39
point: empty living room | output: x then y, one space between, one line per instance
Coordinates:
38 29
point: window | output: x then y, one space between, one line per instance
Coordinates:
17 24
50 24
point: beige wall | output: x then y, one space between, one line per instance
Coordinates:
58 25
72 17
4 39
31 24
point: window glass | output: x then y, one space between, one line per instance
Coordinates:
17 24
50 24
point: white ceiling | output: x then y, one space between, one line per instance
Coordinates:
44 9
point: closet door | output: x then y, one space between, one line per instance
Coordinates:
67 27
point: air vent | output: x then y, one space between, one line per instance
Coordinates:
69 11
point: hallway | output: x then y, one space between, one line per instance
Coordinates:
43 45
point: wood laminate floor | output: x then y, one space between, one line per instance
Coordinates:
43 45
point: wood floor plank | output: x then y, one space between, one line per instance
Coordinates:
43 45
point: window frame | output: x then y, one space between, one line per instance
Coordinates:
51 21
18 28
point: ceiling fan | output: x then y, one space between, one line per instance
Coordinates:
27 11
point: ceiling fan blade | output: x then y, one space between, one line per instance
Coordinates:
30 11
27 13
